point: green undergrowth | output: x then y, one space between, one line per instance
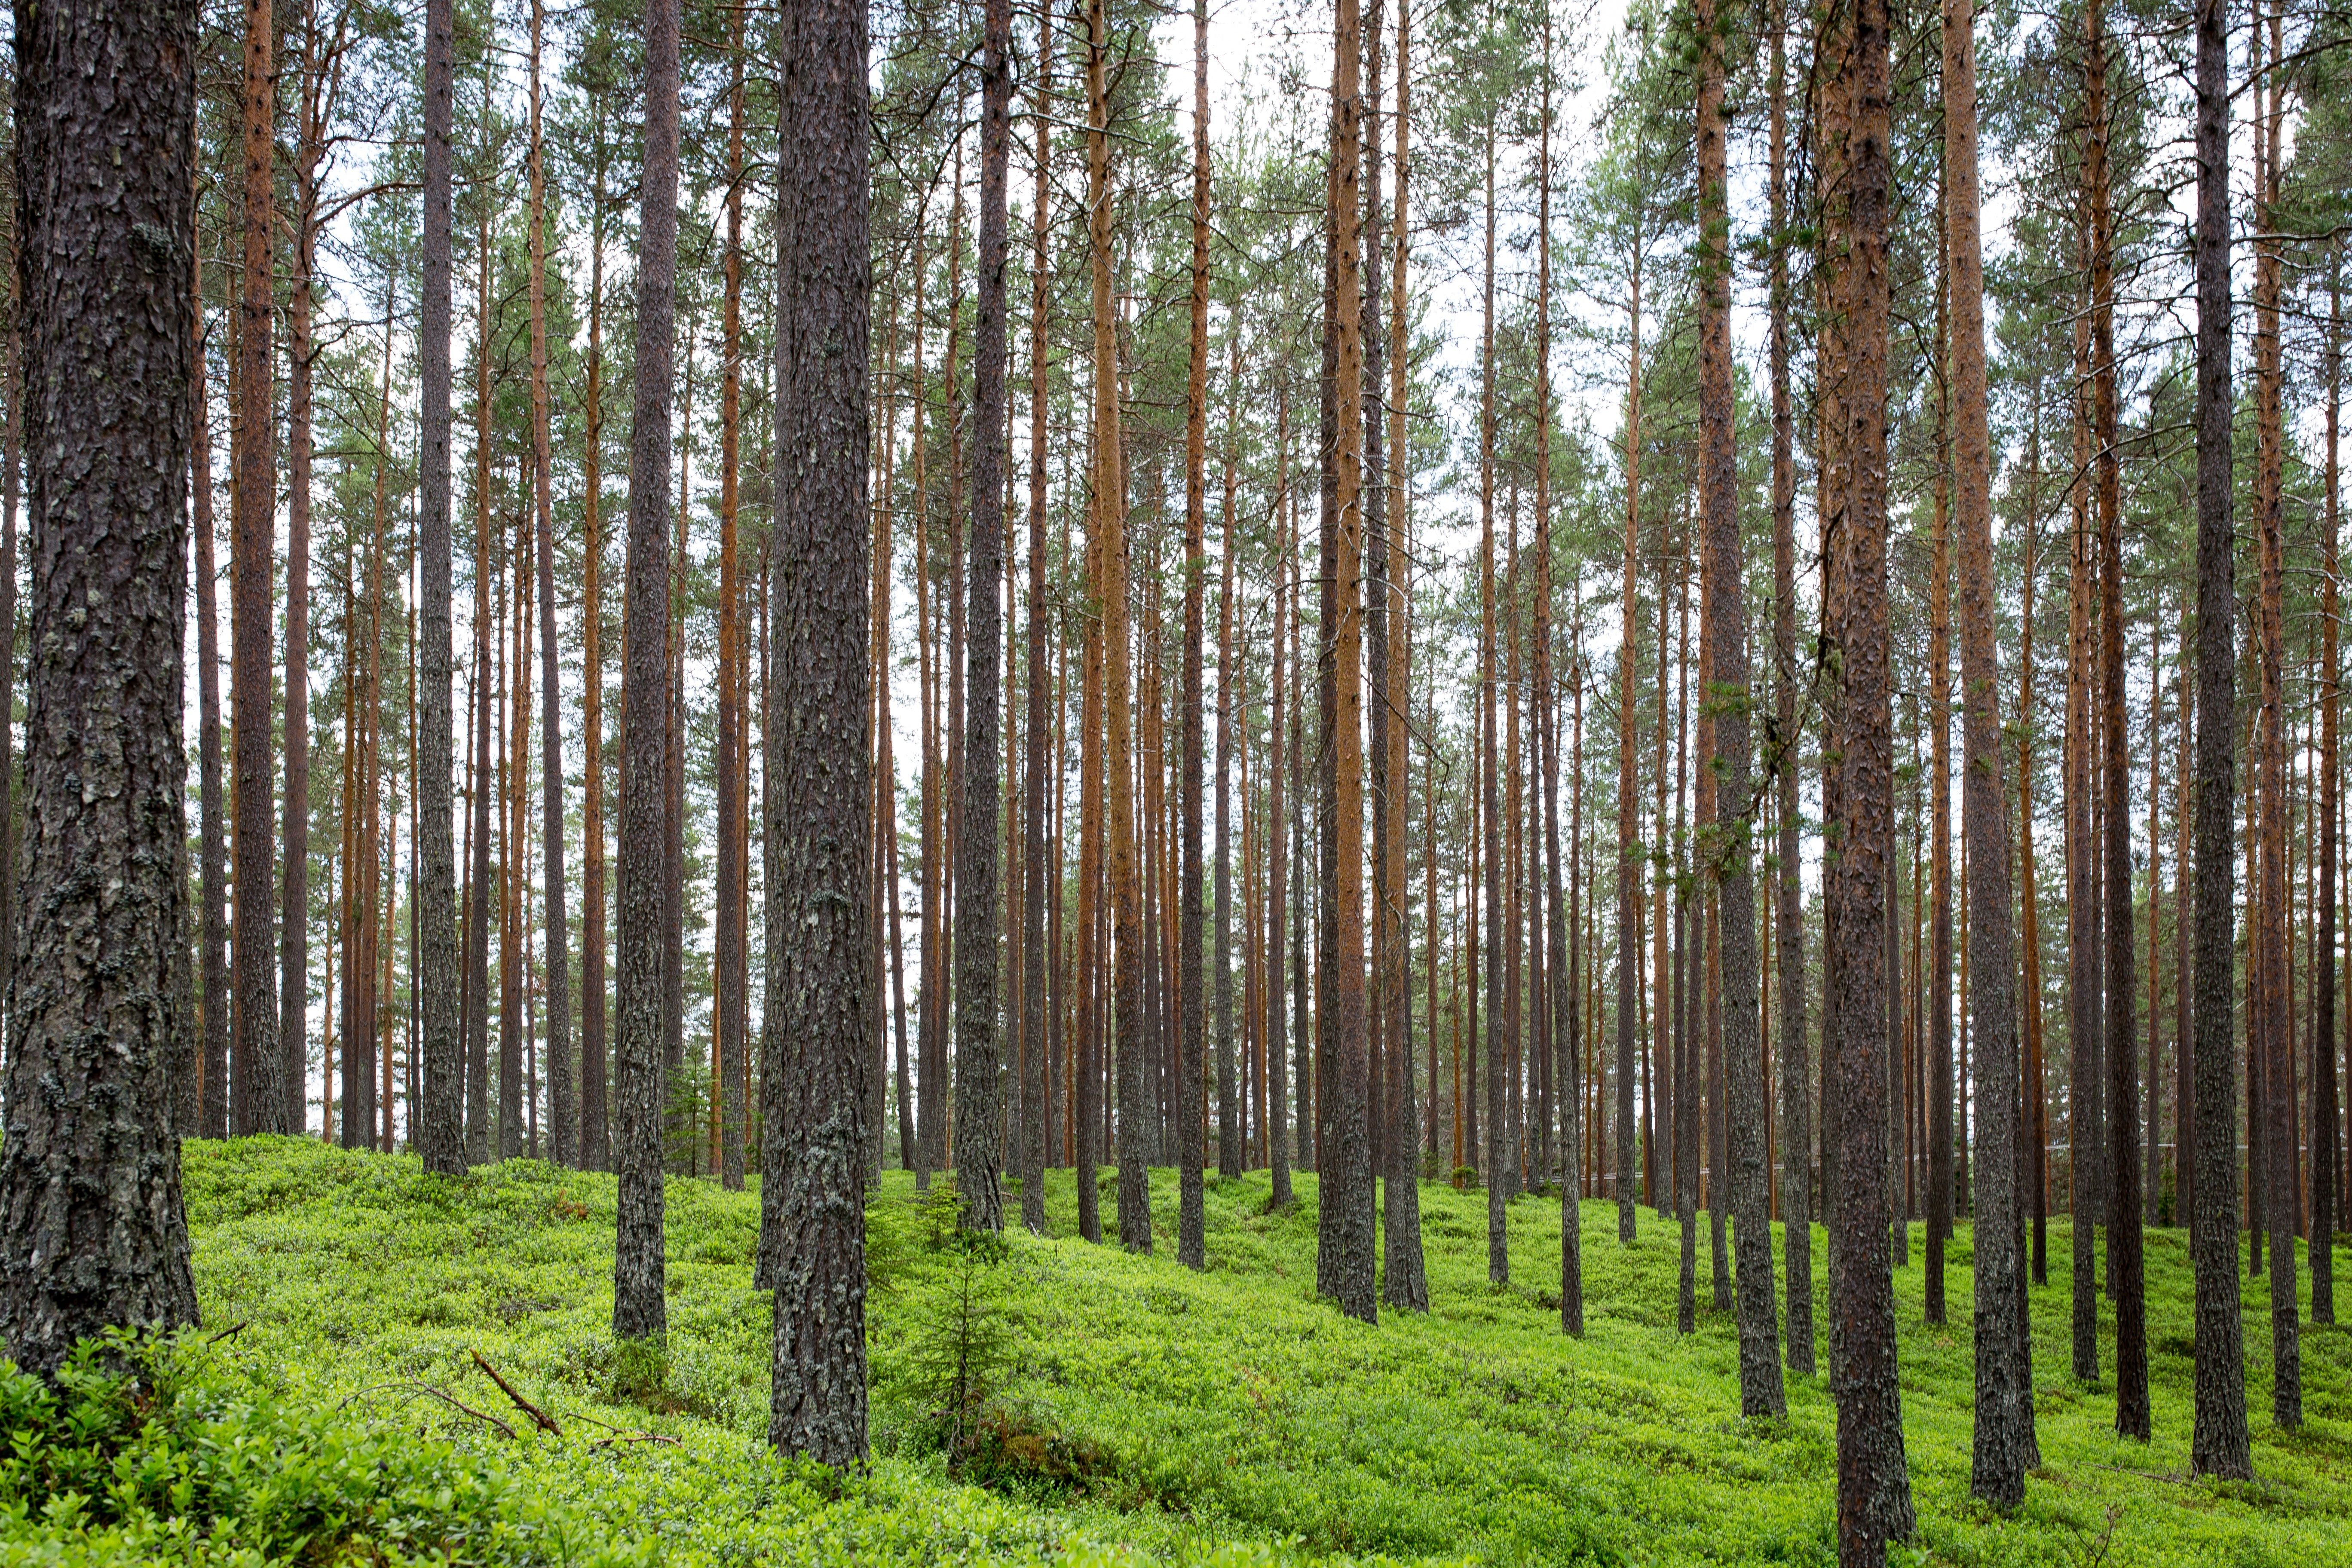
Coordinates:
1050 1400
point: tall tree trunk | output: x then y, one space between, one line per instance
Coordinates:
1628 860
730 1026
1498 1255
320 78
1278 1189
261 1079
1405 1276
1725 659
1874 1487
2082 892
595 1147
439 1130
1191 1245
2004 1371
2219 1446
106 100
2127 1280
212 1107
1938 1031
2275 1043
639 1304
814 1143
1104 517
1345 1213
979 1108
2326 1151
1042 1014
1788 934
563 1114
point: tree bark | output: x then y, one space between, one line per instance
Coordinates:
2218 1445
261 1079
1190 1245
1405 1274
213 1100
1725 659
812 1154
2325 1153
1629 857
2004 1380
440 1132
1041 1017
92 1231
564 1115
978 1099
730 1000
596 1144
2127 1280
639 1303
1788 933
1874 1487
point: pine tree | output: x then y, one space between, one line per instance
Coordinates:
106 103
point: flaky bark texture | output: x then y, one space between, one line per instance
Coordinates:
1042 1014
440 1132
92 1233
596 1146
1874 1484
1404 1277
259 1102
2275 1145
2126 1278
2004 1383
1344 1215
979 1109
639 1306
563 1145
814 1132
1788 908
1191 1246
2218 1445
730 978
1725 659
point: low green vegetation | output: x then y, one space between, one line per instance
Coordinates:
1047 1401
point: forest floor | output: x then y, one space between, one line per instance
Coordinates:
1112 1409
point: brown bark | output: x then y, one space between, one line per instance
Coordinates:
1873 1488
1041 1017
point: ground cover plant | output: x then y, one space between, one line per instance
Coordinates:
397 1367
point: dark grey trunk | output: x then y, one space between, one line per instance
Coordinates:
92 1231
440 1129
1740 1105
819 775
2218 1445
639 1305
979 1109
260 1066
